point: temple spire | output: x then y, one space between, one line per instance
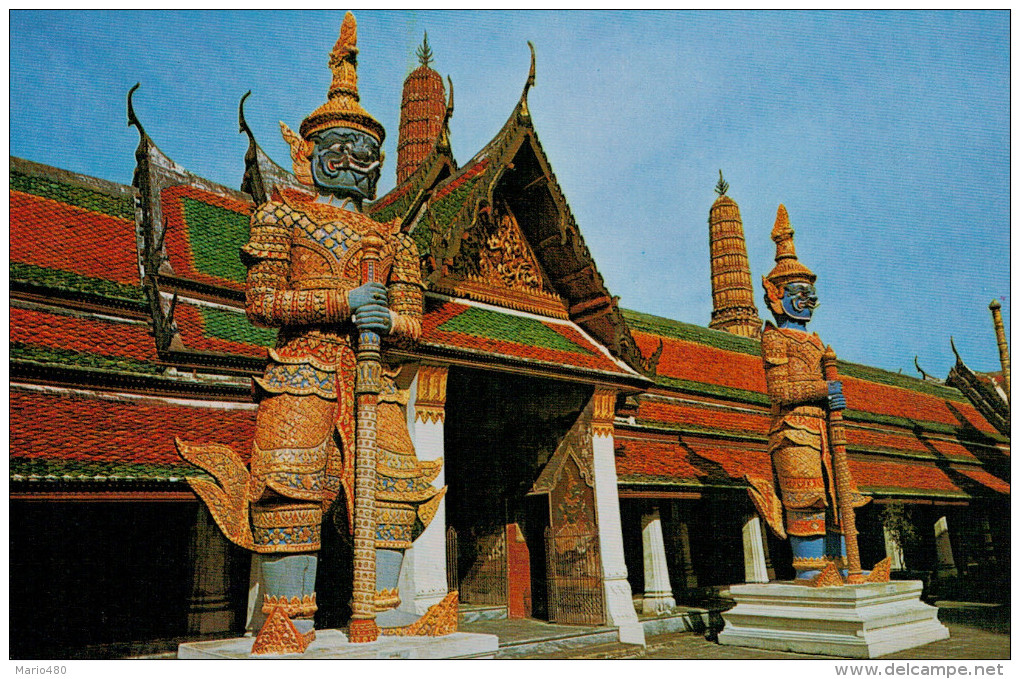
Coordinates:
733 308
423 110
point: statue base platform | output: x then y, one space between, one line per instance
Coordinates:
852 621
332 644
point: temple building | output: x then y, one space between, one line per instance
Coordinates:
595 456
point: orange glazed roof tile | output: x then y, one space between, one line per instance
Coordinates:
718 363
701 415
641 460
86 429
644 460
889 477
82 333
78 238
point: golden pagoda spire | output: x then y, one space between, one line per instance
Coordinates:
733 308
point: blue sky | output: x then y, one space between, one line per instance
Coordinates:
886 135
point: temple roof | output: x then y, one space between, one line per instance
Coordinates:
984 390
72 235
643 462
115 437
127 322
87 342
205 232
470 328
440 203
708 418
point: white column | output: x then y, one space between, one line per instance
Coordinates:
755 568
620 611
423 573
893 550
658 596
944 549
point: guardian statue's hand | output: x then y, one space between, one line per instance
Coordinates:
368 307
369 293
374 317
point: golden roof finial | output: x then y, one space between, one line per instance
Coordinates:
1000 337
425 52
722 186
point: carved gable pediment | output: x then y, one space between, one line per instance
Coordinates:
495 264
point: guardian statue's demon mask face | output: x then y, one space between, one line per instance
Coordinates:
346 163
799 301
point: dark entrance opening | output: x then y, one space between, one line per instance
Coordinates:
106 579
501 430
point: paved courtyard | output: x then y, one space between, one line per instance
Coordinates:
977 632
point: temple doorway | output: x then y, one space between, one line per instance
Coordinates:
502 430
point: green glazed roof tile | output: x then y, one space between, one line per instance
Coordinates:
235 326
216 234
69 281
88 199
22 468
508 328
80 359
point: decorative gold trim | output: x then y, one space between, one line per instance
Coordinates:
279 636
810 563
288 516
829 577
229 497
362 631
430 402
439 620
294 607
603 411
385 599
476 288
880 573
427 510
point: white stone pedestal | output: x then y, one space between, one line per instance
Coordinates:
331 644
853 621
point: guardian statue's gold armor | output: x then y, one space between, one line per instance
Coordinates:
303 261
801 399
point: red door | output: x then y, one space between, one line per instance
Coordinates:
518 573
